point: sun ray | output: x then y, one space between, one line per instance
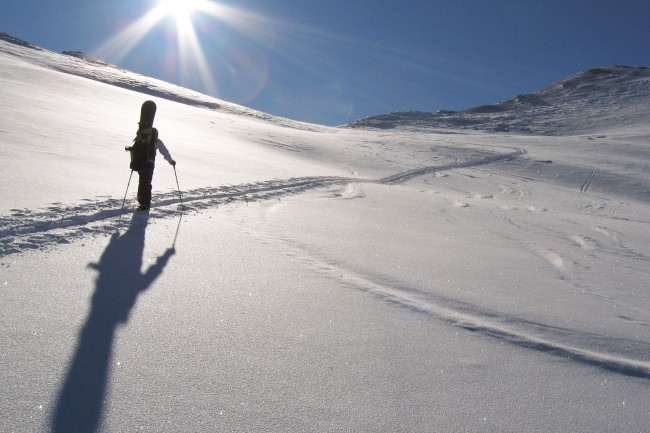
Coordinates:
120 45
192 55
245 64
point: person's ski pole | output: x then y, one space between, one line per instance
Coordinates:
124 199
179 188
127 190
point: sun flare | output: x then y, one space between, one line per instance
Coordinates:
178 8
186 56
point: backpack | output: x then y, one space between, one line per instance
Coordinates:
140 150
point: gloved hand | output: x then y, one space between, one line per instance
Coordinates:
173 163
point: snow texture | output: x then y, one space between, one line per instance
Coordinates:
475 271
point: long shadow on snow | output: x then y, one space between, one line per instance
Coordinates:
120 281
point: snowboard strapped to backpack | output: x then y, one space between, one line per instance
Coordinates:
144 138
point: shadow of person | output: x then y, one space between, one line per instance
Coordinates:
120 281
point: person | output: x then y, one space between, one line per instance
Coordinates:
146 174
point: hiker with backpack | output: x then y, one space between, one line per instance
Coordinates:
143 154
146 172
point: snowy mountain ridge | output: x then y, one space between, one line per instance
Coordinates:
86 66
588 102
80 64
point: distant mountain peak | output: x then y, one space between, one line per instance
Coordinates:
597 98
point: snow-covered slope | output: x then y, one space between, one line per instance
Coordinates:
316 278
82 65
592 101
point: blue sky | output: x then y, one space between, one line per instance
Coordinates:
334 61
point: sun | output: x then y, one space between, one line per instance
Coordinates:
178 9
186 55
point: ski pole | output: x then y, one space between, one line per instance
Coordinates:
124 200
127 190
179 188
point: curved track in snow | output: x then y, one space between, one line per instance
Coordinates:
39 229
25 230
588 182
403 177
474 318
59 224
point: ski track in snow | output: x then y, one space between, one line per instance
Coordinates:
403 177
555 341
488 325
587 184
59 224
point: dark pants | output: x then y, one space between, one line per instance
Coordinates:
144 186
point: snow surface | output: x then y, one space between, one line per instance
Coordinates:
416 278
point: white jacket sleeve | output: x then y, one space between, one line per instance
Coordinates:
163 150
